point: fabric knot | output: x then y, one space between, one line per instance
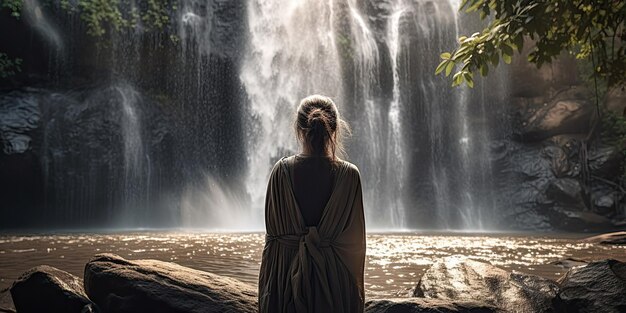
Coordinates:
312 239
309 259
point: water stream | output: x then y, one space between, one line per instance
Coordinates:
186 125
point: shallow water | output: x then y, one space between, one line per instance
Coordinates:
395 261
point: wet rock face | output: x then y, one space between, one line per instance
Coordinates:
543 184
597 287
452 279
541 166
417 305
119 285
47 289
565 190
616 99
98 144
18 117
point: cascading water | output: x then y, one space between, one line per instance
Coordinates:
35 14
182 130
392 99
395 151
291 53
136 180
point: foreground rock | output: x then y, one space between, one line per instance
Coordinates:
568 263
420 305
119 285
616 238
453 279
6 303
597 287
47 289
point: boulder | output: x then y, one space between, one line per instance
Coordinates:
577 220
561 151
420 305
597 287
47 289
454 279
568 263
6 303
566 191
606 161
119 285
568 112
616 238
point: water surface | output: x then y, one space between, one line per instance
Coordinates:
395 261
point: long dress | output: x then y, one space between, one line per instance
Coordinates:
317 268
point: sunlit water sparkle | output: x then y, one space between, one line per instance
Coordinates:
395 261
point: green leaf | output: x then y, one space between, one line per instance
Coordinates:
506 50
445 55
506 58
495 59
529 19
449 68
484 69
468 76
441 67
457 79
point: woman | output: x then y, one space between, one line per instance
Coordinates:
315 244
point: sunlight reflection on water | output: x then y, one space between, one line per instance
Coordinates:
395 261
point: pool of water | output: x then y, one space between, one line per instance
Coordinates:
395 261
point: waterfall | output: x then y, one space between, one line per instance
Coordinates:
412 132
395 151
181 127
291 53
38 19
136 179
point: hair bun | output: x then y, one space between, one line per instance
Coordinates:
319 127
317 121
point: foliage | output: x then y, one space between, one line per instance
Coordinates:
14 6
99 15
9 66
589 29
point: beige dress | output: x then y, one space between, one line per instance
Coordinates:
313 269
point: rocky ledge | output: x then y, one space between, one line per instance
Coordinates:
616 238
114 284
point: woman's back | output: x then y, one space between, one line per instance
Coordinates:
313 268
312 181
314 252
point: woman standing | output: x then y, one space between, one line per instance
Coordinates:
314 251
